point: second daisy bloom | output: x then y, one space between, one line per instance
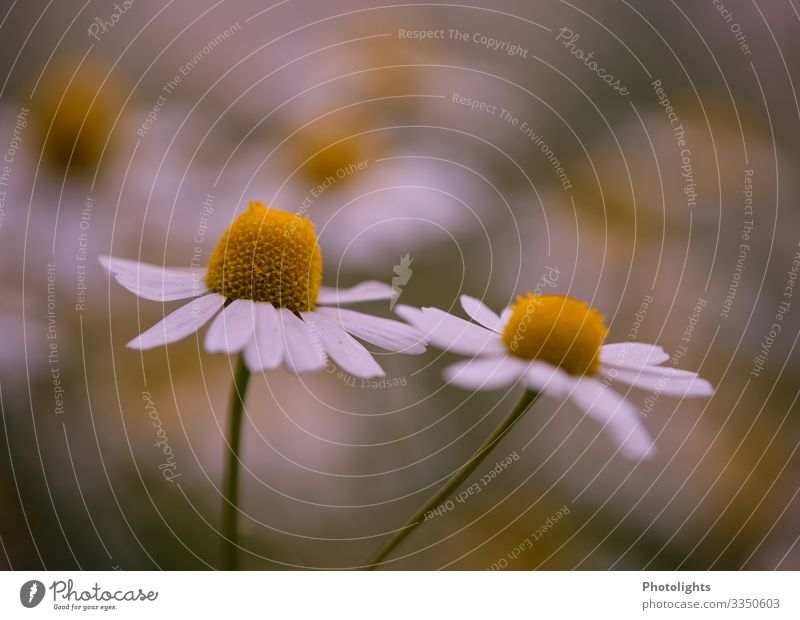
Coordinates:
554 345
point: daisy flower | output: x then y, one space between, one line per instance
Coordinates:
262 288
554 345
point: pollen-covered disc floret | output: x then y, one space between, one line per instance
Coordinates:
268 255
562 331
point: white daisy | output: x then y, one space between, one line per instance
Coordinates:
263 285
554 345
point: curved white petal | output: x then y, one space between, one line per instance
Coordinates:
388 334
125 267
481 313
664 380
548 379
342 348
366 291
486 373
233 328
265 351
156 283
302 351
185 320
632 354
163 290
452 333
619 418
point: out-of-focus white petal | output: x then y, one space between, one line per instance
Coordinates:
185 320
486 373
385 333
452 333
366 291
619 417
409 313
233 328
505 315
632 354
341 347
651 371
265 351
548 379
481 313
664 380
301 352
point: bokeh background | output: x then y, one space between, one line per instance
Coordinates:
105 152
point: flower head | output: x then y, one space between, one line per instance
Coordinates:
554 345
263 289
560 330
268 255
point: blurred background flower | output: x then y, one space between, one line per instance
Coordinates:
482 142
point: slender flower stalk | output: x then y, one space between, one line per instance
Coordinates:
230 498
528 398
262 293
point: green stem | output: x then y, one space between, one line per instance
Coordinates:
230 500
528 398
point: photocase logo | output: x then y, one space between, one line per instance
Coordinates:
403 271
31 593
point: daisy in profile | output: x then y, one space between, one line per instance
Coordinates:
263 289
552 345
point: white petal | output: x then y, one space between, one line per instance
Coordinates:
265 351
163 290
154 282
409 313
301 351
125 267
649 371
632 354
548 379
385 333
505 315
366 291
185 320
452 333
342 348
486 373
233 328
664 380
619 417
480 313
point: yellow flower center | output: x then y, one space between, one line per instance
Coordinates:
268 255
561 331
